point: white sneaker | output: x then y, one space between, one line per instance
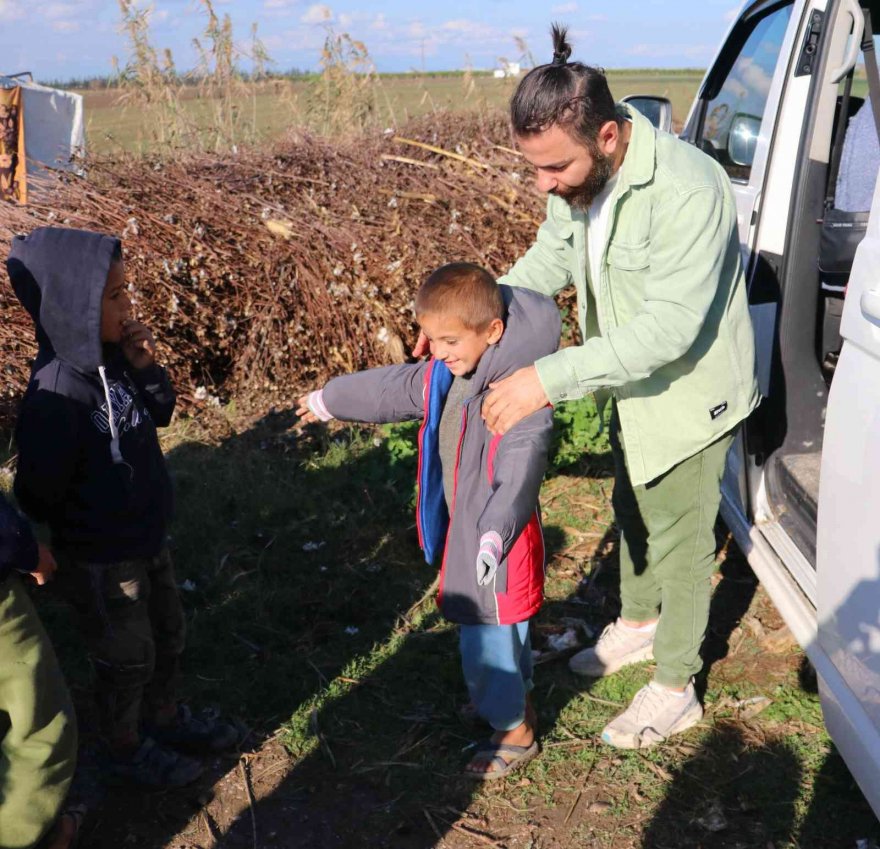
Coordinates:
654 714
616 647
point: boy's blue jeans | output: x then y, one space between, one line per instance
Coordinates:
497 665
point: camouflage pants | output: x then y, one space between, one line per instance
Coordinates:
133 623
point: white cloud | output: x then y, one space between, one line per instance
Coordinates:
11 10
673 51
460 25
468 29
300 38
380 22
731 14
755 77
736 88
276 5
57 11
564 9
65 26
317 14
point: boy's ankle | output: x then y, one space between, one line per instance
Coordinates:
522 734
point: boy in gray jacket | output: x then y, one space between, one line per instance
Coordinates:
477 506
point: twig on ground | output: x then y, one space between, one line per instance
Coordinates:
250 796
321 678
655 768
433 825
271 770
387 157
405 623
441 151
315 729
580 793
487 839
213 837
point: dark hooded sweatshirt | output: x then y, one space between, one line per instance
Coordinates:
89 461
18 548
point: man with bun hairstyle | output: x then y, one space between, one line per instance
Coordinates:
644 226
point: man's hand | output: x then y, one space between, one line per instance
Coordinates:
423 346
46 565
138 344
512 399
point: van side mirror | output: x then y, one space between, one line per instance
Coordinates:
743 138
658 110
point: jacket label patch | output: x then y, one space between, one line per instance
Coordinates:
716 411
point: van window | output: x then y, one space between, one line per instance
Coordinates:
733 117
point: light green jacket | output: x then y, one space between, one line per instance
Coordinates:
668 331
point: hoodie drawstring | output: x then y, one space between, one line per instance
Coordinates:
115 451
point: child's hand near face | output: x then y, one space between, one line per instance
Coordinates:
138 344
46 566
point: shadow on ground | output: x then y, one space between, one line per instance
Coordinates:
311 617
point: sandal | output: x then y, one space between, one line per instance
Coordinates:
494 753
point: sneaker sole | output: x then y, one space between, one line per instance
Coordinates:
640 741
639 656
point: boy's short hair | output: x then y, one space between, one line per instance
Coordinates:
463 290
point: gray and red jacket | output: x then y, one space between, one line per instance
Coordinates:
497 479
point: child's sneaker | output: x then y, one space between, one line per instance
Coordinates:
616 647
654 714
155 767
202 733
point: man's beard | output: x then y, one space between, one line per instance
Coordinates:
582 196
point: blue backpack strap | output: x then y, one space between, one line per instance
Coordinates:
433 513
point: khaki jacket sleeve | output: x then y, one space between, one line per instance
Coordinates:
545 266
690 239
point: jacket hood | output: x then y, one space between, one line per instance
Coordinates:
59 275
531 331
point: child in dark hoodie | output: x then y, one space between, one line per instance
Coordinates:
90 466
38 732
478 494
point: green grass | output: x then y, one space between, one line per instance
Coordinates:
311 617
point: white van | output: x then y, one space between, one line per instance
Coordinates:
802 489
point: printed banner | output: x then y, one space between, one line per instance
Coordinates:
13 182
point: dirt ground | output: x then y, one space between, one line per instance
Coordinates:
714 787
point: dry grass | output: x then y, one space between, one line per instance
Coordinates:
268 270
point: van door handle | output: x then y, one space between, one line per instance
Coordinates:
870 304
854 10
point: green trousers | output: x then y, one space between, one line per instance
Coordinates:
37 725
667 552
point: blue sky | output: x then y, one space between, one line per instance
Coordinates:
60 39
